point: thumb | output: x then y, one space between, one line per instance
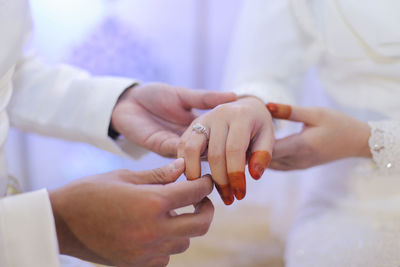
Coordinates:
163 175
203 99
286 146
307 115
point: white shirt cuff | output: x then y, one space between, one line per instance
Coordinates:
27 231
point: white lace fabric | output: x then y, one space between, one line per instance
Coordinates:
384 144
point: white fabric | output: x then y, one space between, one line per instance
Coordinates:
26 227
59 101
349 211
385 145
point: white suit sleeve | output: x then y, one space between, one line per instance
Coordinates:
267 54
66 102
384 144
27 231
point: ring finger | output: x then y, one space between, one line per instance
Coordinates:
195 145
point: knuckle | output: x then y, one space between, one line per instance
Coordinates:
234 150
156 202
203 227
221 108
216 156
181 145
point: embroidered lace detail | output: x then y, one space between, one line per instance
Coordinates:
384 144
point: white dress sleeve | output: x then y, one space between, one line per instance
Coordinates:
267 57
27 231
66 102
384 144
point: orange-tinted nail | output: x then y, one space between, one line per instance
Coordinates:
258 162
238 184
225 192
279 111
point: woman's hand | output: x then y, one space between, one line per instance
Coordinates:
327 135
236 128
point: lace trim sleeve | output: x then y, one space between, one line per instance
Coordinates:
384 144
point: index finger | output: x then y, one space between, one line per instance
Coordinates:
307 115
187 193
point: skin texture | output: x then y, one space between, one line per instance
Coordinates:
258 162
225 191
155 115
237 180
327 136
236 129
125 218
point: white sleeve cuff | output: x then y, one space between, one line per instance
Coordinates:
97 114
27 231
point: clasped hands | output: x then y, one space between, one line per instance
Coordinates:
127 218
242 131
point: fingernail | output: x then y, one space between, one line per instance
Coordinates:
259 161
225 192
257 172
178 164
272 107
279 111
238 184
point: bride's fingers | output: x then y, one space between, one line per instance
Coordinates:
236 146
279 111
261 152
307 115
194 147
217 161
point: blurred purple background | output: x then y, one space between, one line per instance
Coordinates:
181 42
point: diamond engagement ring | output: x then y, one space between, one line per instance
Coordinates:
201 129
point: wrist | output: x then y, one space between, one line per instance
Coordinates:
113 132
61 227
67 242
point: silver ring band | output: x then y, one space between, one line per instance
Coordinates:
201 129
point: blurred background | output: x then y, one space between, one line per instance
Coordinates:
180 42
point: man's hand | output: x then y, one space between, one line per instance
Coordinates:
155 115
126 218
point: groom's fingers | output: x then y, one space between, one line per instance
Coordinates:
307 115
193 224
202 99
